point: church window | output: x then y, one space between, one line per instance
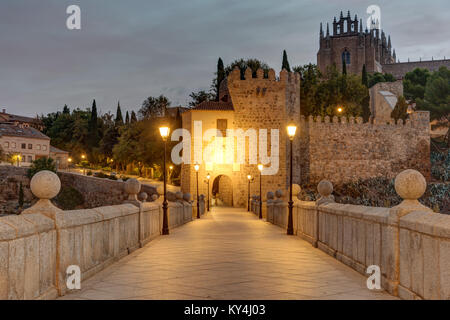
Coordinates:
346 57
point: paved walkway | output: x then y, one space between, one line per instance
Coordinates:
229 254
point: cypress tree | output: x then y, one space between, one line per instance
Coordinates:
344 67
220 76
365 79
119 117
285 63
127 118
93 127
133 118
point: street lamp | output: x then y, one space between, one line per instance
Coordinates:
291 129
208 176
250 180
70 163
197 167
260 168
339 110
170 173
164 131
84 169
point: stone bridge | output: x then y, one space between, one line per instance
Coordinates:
229 253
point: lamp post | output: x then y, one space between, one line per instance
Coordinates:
291 129
197 167
208 176
260 168
164 131
84 169
70 163
250 180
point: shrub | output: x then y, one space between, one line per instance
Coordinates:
69 198
21 195
440 166
40 165
112 177
89 173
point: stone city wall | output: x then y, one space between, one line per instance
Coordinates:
410 243
344 150
398 70
37 246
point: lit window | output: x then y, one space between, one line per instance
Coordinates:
44 147
13 145
6 144
222 126
38 147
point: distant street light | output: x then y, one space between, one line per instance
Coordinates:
340 109
164 131
291 129
70 162
260 168
197 167
208 177
250 180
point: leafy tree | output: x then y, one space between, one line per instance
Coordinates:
414 84
285 63
119 116
400 109
200 96
21 196
154 107
133 117
110 136
380 77
66 109
253 64
40 165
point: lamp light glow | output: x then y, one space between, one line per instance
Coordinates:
340 109
208 176
196 167
260 167
164 131
291 130
249 177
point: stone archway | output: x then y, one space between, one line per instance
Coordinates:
222 191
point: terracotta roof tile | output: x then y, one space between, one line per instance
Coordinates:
16 131
214 105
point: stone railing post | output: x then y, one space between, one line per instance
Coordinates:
270 201
410 185
132 187
45 185
325 189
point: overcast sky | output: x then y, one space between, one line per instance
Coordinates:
129 50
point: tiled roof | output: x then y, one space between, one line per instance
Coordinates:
214 105
14 117
56 150
17 131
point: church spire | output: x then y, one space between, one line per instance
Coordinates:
321 31
328 30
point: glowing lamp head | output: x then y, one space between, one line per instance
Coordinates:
70 159
83 156
260 167
208 176
196 167
291 129
249 177
340 109
171 167
164 131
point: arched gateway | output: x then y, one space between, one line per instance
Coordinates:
222 191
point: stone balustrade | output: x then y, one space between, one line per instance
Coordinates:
37 246
409 242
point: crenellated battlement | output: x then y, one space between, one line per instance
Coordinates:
416 119
284 76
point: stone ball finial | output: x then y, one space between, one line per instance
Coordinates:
132 186
187 197
270 195
154 197
279 193
160 190
143 196
410 184
45 184
296 189
325 188
179 195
